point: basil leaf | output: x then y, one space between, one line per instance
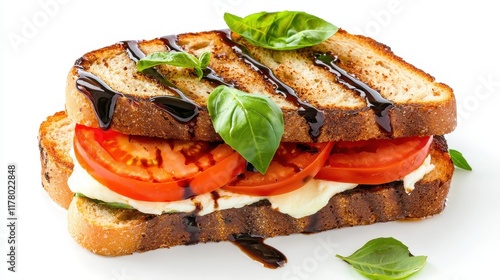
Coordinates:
459 160
385 258
251 124
204 59
117 205
285 30
180 59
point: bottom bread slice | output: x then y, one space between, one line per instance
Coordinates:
113 232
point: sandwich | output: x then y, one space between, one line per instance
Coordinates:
242 134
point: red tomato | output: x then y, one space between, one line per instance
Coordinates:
153 169
375 161
293 165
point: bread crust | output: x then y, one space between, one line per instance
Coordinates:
414 113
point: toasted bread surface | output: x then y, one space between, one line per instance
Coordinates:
55 138
113 232
422 106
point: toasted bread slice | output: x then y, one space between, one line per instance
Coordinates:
113 232
421 106
55 138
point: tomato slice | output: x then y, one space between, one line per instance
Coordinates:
293 165
375 161
153 169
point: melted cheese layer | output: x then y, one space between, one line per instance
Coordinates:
302 202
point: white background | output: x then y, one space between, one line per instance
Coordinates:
457 42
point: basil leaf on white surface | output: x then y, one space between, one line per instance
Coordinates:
180 59
286 30
385 258
459 160
251 124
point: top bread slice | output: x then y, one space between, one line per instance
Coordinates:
421 106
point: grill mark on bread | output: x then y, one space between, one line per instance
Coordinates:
191 226
373 98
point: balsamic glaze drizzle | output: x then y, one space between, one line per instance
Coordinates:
255 248
102 97
180 107
314 117
374 100
170 42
